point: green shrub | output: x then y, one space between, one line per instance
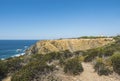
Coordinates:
81 58
10 66
73 66
98 64
116 62
91 54
104 71
108 51
31 70
67 54
14 64
92 37
101 68
3 69
57 56
77 53
62 61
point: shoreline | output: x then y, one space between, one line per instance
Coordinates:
16 55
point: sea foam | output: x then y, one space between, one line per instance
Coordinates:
17 55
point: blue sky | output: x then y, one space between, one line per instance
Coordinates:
50 19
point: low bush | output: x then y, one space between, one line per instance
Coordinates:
104 71
101 68
73 66
58 55
116 62
9 66
90 55
14 64
62 61
3 69
81 58
31 70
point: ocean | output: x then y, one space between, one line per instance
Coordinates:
12 48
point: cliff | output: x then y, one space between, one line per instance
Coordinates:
47 46
57 66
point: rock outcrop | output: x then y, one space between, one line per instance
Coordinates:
47 46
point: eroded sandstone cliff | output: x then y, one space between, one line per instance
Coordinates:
47 46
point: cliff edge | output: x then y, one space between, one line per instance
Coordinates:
47 46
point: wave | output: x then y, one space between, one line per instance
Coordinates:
18 50
2 59
25 47
17 55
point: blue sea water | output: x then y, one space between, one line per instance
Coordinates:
11 48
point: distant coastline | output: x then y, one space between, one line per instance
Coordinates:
14 48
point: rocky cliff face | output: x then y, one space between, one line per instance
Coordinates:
47 46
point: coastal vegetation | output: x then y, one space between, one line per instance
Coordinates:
10 65
92 37
106 59
77 69
116 62
31 71
35 67
101 68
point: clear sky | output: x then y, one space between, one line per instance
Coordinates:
49 19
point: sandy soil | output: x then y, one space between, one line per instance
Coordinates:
88 75
7 79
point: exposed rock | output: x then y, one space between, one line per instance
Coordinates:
47 46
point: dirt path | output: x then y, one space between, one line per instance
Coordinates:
88 75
